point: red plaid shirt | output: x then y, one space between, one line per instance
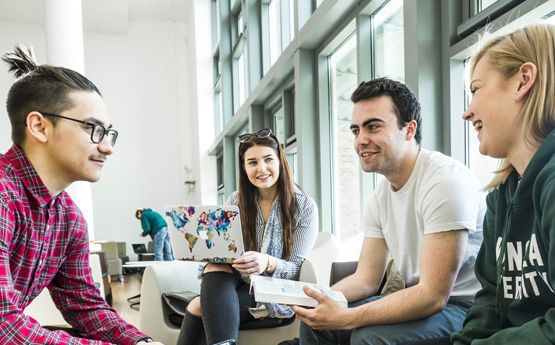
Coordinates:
44 243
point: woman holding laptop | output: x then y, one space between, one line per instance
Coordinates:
280 225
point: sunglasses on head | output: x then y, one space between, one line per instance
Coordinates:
263 133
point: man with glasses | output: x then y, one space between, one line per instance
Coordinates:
61 133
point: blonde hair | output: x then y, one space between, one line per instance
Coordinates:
506 54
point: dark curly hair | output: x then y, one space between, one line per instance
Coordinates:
407 107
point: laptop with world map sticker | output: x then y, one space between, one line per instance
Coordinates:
205 233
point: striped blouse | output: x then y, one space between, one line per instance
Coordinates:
270 240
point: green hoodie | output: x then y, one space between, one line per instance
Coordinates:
516 263
152 222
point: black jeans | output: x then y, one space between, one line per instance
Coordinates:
225 303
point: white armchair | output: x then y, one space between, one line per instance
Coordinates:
324 252
181 276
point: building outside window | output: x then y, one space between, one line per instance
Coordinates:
279 125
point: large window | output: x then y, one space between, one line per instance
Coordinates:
389 46
483 167
389 41
220 179
303 92
241 65
279 124
217 68
275 30
292 159
346 165
240 54
483 4
281 26
478 13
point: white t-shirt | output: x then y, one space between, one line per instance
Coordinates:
440 195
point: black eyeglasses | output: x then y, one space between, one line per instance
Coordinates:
263 133
97 131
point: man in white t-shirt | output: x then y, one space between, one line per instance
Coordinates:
427 214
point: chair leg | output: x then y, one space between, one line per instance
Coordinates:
133 304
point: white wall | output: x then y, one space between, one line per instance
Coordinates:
141 77
145 78
11 33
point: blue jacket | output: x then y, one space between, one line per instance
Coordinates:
152 222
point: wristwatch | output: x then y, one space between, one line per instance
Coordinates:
146 340
269 266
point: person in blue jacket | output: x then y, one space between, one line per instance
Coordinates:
513 113
153 224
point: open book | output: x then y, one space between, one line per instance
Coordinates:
283 291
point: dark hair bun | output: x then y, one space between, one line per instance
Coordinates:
21 61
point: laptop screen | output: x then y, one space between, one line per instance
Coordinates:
139 248
205 233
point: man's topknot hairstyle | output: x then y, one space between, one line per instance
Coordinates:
39 88
407 107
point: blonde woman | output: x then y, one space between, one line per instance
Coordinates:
513 112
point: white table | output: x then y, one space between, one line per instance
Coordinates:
141 264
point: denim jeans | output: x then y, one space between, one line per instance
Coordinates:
438 325
162 245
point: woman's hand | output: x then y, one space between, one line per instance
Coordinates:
251 263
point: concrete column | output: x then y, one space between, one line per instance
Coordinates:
64 45
64 34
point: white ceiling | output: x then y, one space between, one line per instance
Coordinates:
100 15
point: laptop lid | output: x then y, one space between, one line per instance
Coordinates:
205 233
139 248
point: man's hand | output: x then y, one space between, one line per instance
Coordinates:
251 263
141 235
145 343
328 315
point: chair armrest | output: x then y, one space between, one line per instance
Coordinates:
340 270
308 272
169 276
